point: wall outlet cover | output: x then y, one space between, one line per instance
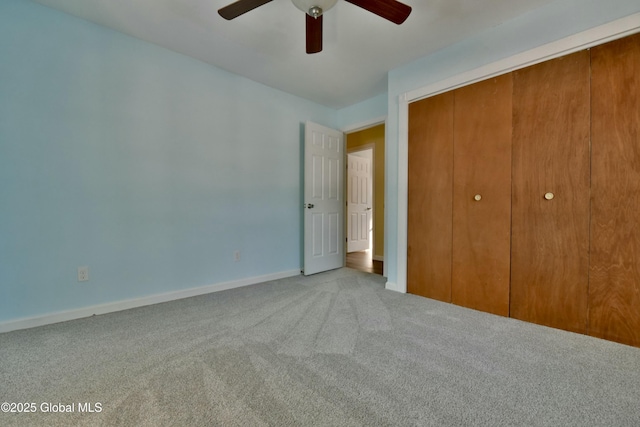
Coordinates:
83 274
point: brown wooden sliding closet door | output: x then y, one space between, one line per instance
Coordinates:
482 195
550 216
430 192
614 289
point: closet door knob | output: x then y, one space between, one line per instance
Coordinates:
549 196
477 197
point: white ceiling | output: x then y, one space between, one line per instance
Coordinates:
267 44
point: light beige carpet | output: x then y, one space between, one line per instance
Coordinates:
334 349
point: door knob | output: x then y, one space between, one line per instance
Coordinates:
368 209
310 206
477 197
549 196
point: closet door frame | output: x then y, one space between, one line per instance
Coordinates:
584 40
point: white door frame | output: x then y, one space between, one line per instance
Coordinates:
356 128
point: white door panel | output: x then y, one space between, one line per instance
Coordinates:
324 204
360 204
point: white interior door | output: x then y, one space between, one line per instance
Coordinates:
323 199
359 203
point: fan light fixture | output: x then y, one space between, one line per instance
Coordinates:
391 10
314 8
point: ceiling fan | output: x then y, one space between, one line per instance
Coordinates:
391 10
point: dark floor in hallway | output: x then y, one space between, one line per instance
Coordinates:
362 261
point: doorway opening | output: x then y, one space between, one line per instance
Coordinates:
363 261
365 199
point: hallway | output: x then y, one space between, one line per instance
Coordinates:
362 261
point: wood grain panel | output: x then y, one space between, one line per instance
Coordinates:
550 238
482 166
614 290
429 200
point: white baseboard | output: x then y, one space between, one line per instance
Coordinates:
63 316
391 286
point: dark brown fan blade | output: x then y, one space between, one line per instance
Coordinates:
314 34
391 10
240 7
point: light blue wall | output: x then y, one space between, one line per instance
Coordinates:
147 166
152 168
363 112
536 28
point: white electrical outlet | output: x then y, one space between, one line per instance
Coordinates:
236 256
83 274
